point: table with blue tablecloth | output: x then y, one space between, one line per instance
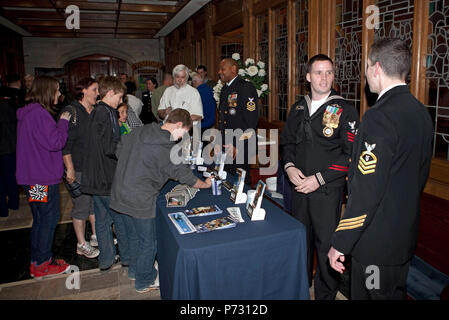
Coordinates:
256 260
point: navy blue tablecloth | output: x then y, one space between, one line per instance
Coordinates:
256 260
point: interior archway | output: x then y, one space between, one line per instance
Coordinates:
95 66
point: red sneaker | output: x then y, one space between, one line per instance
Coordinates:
52 267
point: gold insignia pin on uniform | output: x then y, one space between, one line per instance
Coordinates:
367 160
251 105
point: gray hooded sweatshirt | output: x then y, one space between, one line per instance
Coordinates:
143 168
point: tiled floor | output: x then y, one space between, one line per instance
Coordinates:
15 282
93 285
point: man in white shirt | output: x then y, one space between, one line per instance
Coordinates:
181 95
132 101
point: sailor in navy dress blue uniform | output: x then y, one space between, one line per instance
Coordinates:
319 147
390 166
238 117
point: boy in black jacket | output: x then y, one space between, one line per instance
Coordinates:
102 137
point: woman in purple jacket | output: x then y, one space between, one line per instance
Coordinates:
40 168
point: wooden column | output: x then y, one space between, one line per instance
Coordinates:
322 27
249 29
367 40
211 61
314 28
419 50
327 28
291 21
271 64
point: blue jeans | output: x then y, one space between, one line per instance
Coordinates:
143 264
45 219
104 218
133 242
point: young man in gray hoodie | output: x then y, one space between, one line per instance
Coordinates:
143 167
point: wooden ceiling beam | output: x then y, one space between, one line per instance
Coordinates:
29 15
141 17
117 16
27 3
60 23
35 29
90 30
149 8
88 5
90 24
148 25
45 15
92 35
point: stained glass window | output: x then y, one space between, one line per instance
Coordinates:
230 48
302 38
348 49
281 64
437 75
396 21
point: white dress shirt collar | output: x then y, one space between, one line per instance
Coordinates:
230 82
389 88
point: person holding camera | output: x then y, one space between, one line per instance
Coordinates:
86 93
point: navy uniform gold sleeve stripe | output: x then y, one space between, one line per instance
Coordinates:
370 164
353 223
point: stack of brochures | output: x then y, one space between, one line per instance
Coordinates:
217 224
184 226
203 211
180 195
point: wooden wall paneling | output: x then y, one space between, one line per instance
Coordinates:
212 45
322 27
291 10
314 27
438 183
11 53
367 40
263 6
198 60
204 59
420 38
327 28
249 29
271 64
228 24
